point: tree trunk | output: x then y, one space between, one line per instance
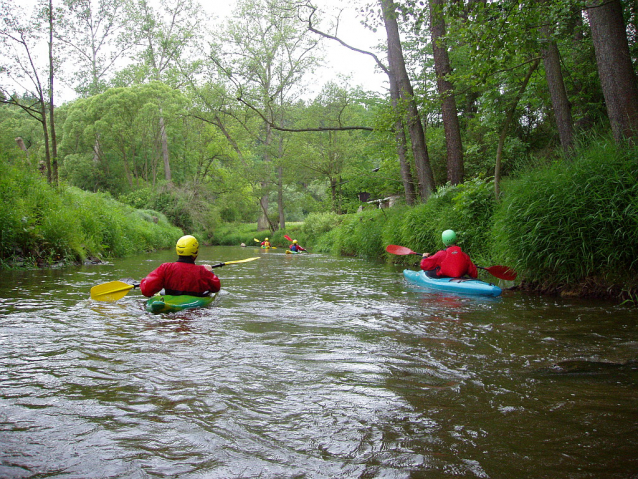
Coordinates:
264 222
280 190
617 76
45 131
401 142
508 121
54 142
558 94
453 142
413 119
333 191
164 145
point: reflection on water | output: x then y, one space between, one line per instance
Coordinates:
311 366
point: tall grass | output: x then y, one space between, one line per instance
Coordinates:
41 225
574 220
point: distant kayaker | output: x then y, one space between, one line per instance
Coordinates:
265 243
295 247
182 276
451 262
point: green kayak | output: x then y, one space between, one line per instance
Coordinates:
171 304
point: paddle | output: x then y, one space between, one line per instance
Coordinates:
118 289
501 272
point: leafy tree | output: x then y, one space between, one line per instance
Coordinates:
265 52
163 37
326 155
126 122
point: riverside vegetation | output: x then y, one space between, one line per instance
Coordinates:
566 227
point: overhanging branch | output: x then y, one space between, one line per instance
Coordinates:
300 130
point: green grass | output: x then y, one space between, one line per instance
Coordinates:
48 225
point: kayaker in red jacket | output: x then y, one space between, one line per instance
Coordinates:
295 247
451 262
182 276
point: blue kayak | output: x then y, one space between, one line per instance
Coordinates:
453 285
171 304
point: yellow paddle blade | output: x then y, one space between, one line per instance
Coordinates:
243 260
110 291
257 240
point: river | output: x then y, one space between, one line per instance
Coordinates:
311 366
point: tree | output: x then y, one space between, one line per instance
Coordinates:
92 33
23 40
615 69
327 154
266 55
413 118
395 98
126 121
163 37
442 68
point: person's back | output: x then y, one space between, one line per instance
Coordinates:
182 276
451 262
295 247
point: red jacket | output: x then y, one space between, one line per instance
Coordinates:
180 277
453 262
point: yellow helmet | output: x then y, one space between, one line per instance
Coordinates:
266 239
294 241
187 246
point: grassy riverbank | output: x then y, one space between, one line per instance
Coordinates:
568 227
40 225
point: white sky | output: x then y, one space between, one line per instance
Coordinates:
339 59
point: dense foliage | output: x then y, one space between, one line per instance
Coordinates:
562 228
218 130
46 225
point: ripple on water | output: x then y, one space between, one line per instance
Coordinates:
311 366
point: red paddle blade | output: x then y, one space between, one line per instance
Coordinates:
502 272
288 237
400 250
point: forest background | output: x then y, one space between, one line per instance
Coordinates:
512 122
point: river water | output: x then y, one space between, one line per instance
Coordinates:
311 366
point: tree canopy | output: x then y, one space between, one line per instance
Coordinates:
212 122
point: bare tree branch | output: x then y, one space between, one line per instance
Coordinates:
337 39
299 130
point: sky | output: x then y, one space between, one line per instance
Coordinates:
340 60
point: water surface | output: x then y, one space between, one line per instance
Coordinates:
311 366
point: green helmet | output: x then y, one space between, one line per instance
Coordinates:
187 246
448 237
